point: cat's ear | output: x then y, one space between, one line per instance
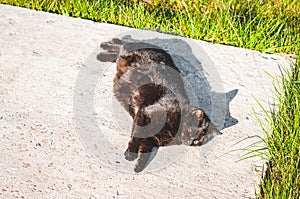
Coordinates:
201 116
199 113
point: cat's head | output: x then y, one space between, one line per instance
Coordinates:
196 128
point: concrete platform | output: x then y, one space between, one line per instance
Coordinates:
63 134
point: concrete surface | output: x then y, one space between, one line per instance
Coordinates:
63 136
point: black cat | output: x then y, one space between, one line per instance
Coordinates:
149 86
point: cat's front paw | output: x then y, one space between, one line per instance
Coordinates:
130 156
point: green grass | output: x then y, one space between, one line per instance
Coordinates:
269 26
282 139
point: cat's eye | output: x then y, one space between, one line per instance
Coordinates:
195 142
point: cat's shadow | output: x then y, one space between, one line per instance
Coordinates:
197 80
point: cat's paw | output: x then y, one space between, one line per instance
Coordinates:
130 156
